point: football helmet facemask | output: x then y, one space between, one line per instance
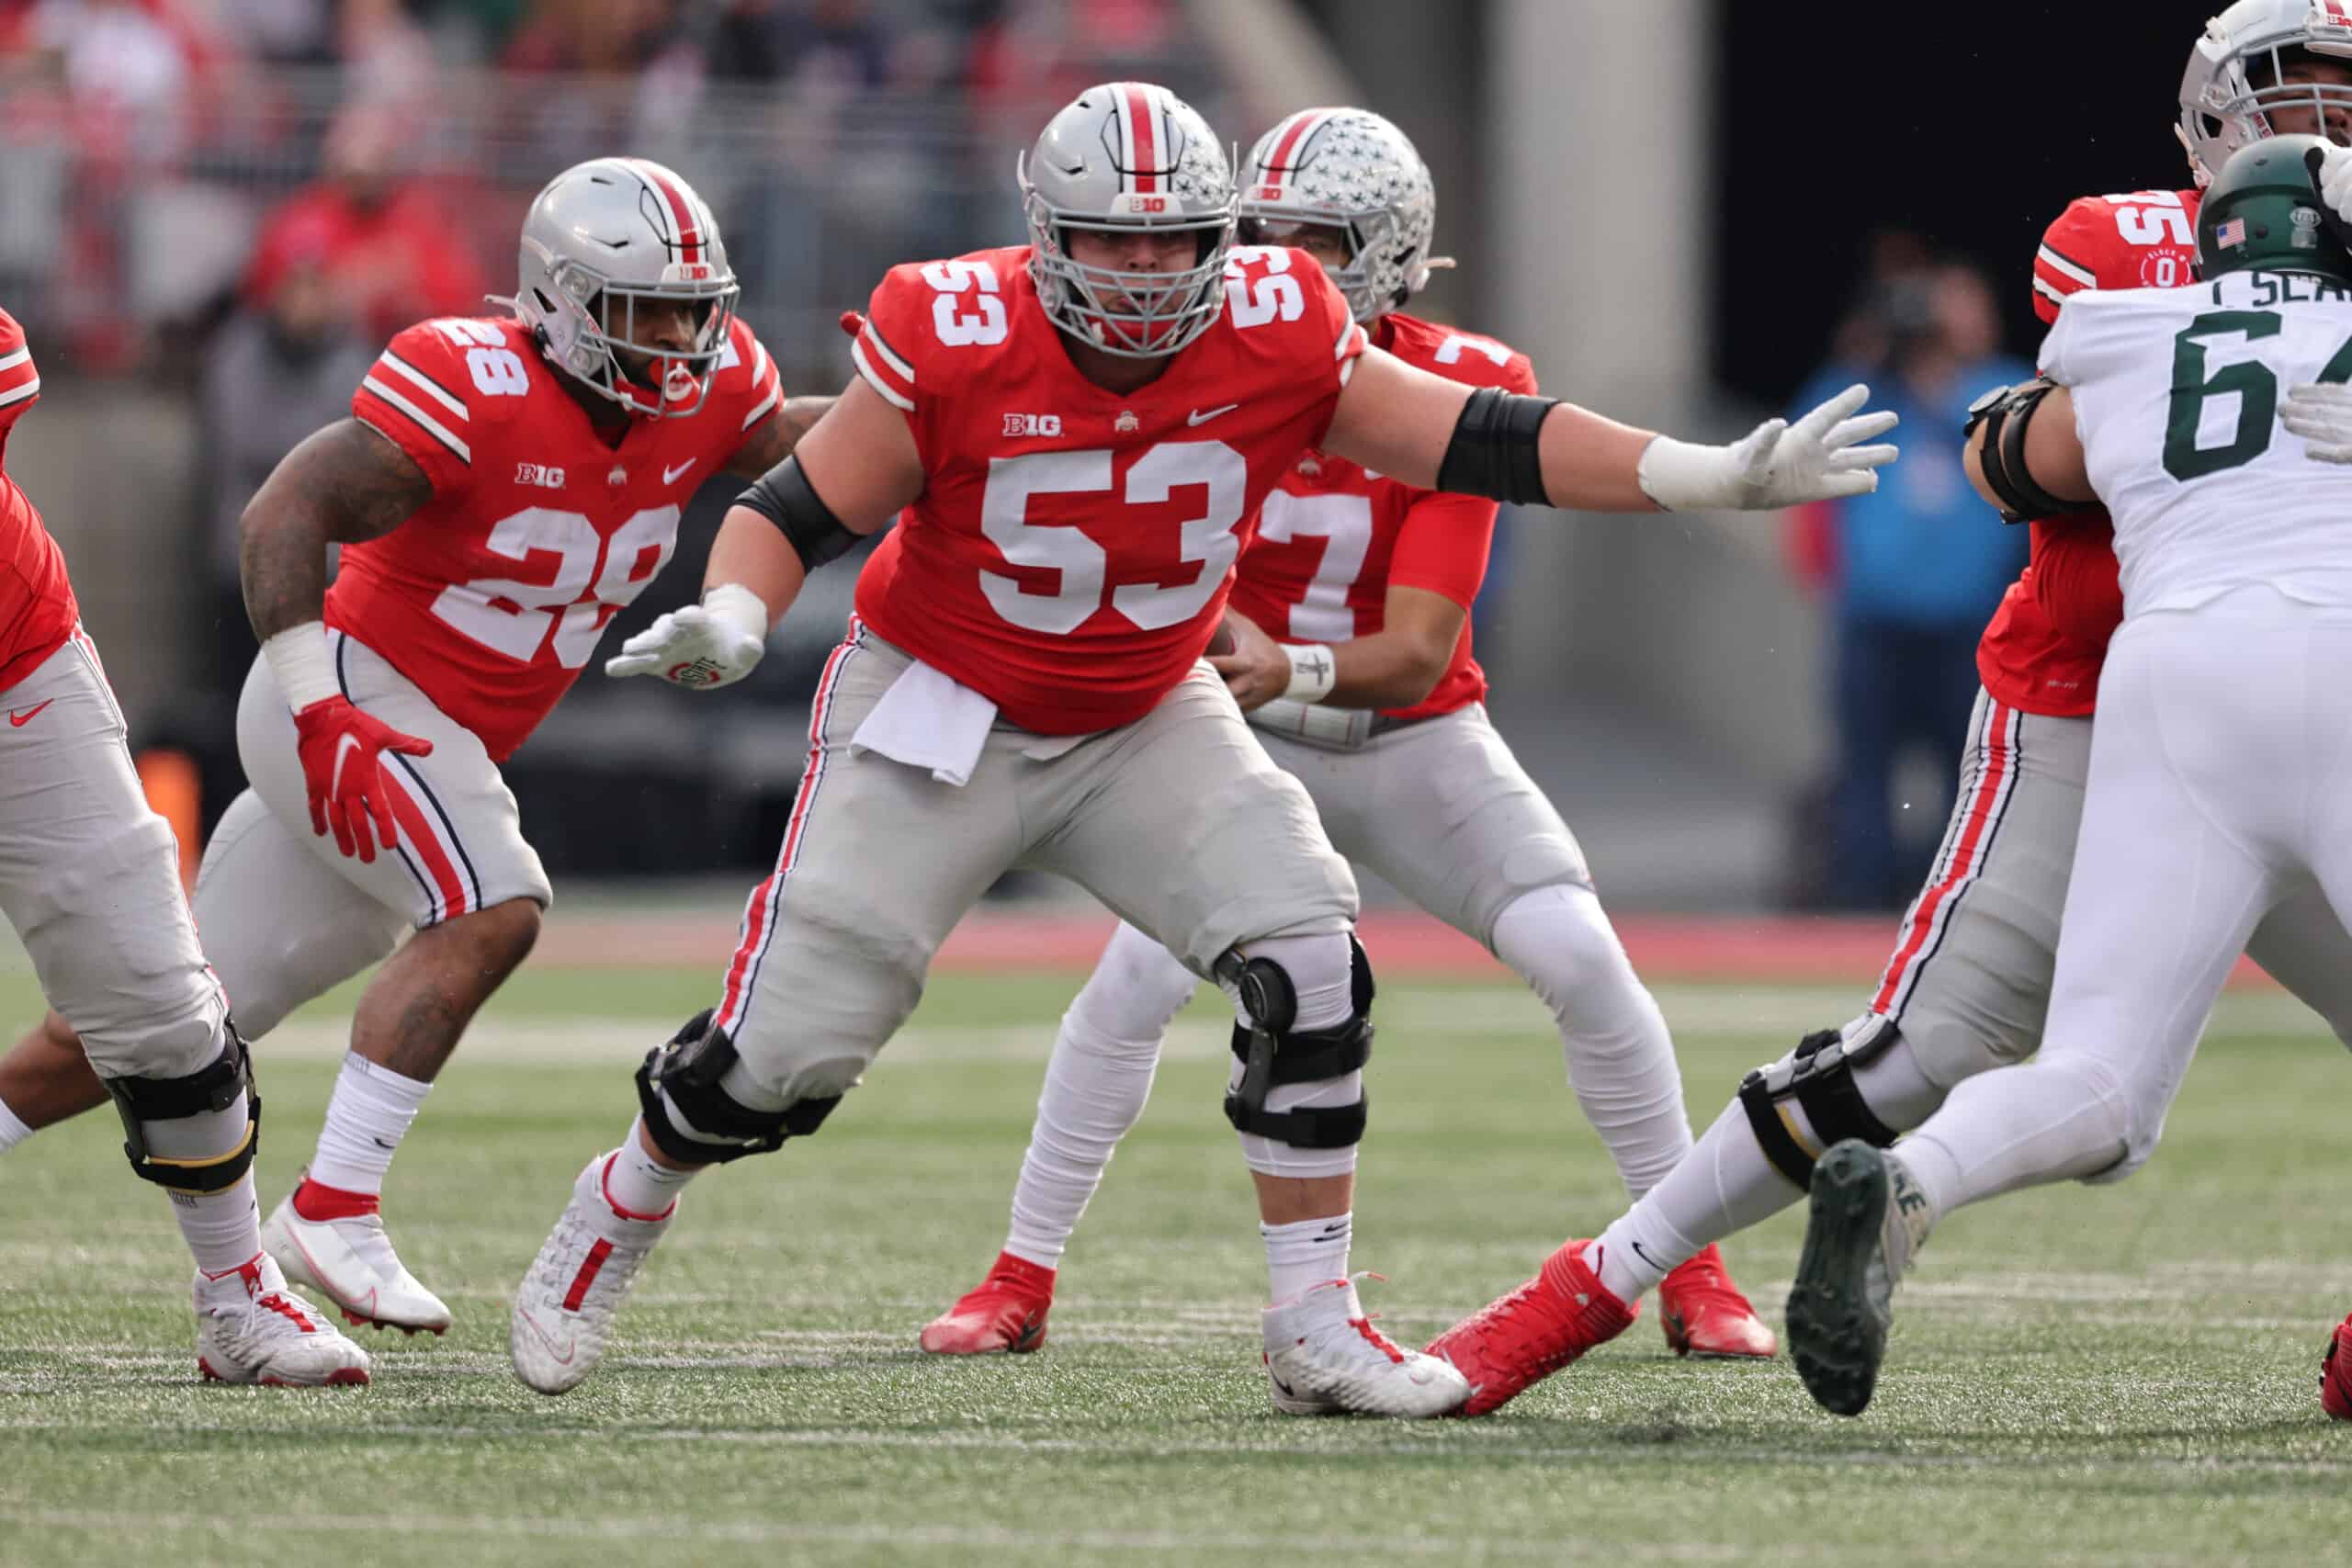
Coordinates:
605 242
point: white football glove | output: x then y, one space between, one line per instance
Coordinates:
1775 465
2321 415
2333 176
714 643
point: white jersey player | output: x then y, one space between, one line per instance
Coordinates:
1368 694
2225 736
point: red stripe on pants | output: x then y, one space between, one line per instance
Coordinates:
1964 863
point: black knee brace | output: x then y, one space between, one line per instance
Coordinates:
206 1090
1272 1052
687 1071
1819 1076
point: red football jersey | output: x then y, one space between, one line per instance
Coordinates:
2044 646
1334 537
491 597
1070 552
37 609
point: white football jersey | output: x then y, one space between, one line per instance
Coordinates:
2176 393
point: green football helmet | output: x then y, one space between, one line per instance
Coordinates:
2263 212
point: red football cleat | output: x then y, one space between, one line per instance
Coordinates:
1006 1313
2336 1373
1521 1339
1705 1314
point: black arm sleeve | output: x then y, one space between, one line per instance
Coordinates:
785 497
1493 452
2001 451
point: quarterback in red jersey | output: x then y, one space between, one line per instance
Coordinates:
1967 988
504 488
1073 436
1365 583
89 877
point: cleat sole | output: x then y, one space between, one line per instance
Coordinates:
1835 1338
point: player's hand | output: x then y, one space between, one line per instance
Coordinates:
1256 670
342 748
2321 415
691 646
1819 458
2331 171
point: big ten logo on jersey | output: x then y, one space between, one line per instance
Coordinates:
2157 221
595 577
1033 425
969 309
1258 287
537 474
497 371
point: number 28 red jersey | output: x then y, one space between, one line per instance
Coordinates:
37 609
1334 537
2046 642
491 597
1071 549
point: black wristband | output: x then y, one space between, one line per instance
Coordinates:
1494 451
784 497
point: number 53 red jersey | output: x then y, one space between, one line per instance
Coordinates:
1072 547
493 595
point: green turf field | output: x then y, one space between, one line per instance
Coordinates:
2109 1375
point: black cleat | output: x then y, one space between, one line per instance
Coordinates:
1841 1304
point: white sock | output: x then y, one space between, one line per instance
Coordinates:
637 1185
1621 1058
1306 1253
12 1130
1096 1084
222 1229
366 1119
2020 1126
1727 1184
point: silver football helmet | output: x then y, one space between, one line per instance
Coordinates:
1350 170
2221 107
1128 155
603 237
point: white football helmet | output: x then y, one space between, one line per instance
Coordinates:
2223 109
1128 155
603 236
1350 170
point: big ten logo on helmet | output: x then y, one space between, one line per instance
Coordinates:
1136 204
534 474
1033 425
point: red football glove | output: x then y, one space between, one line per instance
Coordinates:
341 749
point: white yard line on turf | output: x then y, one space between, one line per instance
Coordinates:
1775 1016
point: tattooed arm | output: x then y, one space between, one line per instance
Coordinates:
343 484
773 442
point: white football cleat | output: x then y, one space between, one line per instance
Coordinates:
1323 1358
564 1307
250 1329
351 1262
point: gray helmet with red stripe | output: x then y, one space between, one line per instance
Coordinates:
603 238
1350 170
1128 155
2234 84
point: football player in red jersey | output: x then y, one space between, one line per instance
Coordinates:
89 876
1968 986
1073 435
503 488
1372 698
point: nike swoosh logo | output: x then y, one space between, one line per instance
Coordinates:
562 1351
19 720
1643 1256
669 476
344 747
1202 416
